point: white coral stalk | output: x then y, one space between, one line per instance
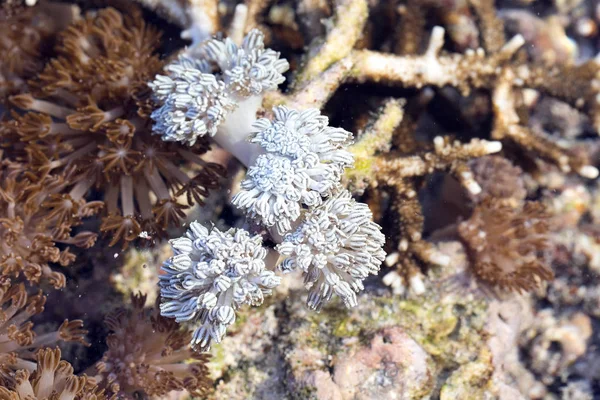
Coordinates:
337 246
304 161
212 274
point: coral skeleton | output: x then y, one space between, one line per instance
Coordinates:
446 154
474 70
211 275
149 354
336 247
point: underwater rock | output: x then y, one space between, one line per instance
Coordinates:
392 366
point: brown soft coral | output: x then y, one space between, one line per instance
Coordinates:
149 354
88 112
17 338
498 178
20 45
26 32
505 244
35 217
52 379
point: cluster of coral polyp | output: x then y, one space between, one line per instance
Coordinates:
26 34
52 378
149 353
17 337
505 244
36 217
86 115
77 144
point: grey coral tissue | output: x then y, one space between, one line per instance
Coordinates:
212 274
249 69
198 94
303 161
336 247
194 102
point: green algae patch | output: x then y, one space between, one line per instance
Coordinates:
471 380
450 330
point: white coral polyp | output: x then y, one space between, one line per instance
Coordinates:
194 103
298 134
211 274
250 69
198 95
304 161
270 192
337 246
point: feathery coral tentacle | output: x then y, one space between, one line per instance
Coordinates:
212 274
337 246
304 161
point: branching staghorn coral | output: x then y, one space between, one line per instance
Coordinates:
350 16
53 378
472 70
149 354
468 71
509 125
376 138
412 249
17 338
446 155
401 174
36 219
88 114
